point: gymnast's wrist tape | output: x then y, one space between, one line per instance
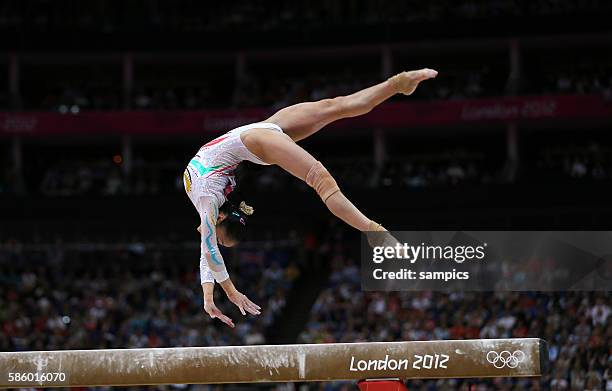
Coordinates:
205 272
207 277
321 180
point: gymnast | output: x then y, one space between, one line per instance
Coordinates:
209 176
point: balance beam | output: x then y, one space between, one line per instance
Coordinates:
275 363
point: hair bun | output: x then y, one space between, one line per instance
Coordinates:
246 209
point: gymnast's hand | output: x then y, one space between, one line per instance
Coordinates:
210 307
242 302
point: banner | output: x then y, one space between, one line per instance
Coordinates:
388 115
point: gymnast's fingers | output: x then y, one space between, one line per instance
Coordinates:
251 307
224 318
252 304
241 308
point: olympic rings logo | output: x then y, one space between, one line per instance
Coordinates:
505 358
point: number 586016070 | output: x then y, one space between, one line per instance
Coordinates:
36 377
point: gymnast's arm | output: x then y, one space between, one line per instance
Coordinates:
211 257
211 260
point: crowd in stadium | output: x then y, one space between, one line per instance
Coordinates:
591 161
69 95
455 167
57 296
137 297
195 16
103 177
98 86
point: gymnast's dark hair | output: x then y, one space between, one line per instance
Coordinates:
236 210
236 219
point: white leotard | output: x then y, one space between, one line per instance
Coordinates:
208 179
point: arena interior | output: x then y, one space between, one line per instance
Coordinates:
103 103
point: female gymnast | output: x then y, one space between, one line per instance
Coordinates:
209 176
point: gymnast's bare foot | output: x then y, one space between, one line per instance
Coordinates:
406 82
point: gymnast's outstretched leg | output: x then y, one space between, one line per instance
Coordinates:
277 148
304 119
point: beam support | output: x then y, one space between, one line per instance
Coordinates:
381 385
